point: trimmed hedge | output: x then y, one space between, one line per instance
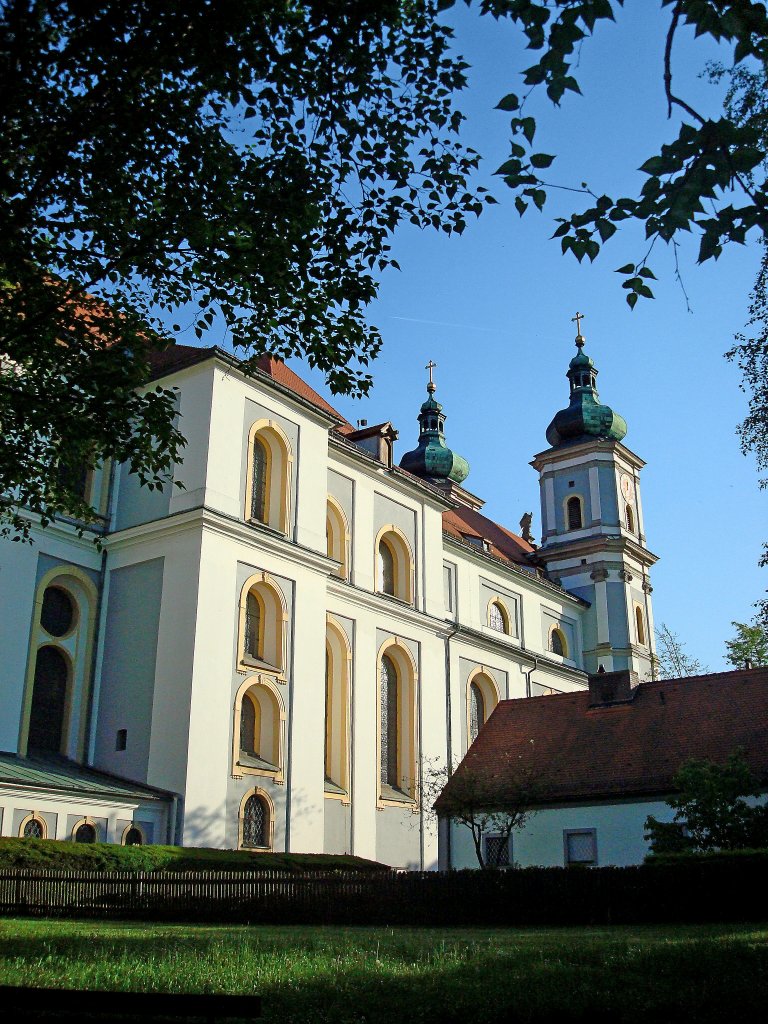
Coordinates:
59 856
759 857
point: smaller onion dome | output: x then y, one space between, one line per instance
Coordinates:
585 417
432 459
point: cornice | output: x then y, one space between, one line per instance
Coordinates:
511 650
577 451
383 604
600 544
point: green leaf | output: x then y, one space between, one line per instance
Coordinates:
509 102
540 160
628 268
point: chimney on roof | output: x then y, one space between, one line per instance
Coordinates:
362 423
606 688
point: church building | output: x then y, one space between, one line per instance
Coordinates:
269 657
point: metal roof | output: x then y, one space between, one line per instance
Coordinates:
63 775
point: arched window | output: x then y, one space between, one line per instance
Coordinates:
557 642
259 730
133 836
640 624
337 537
630 519
394 570
33 828
259 481
85 833
389 723
386 568
255 823
268 476
397 724
482 698
49 701
254 645
476 711
498 618
262 626
336 709
573 513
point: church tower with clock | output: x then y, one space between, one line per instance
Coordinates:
593 541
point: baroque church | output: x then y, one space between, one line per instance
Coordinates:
268 658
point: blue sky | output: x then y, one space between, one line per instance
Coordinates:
493 308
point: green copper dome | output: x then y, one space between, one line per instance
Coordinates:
433 459
585 417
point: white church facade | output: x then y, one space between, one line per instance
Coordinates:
268 657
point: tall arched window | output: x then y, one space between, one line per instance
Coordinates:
640 624
268 476
476 711
259 731
630 519
49 701
386 568
337 655
573 513
262 626
390 701
254 645
255 823
58 612
259 481
337 537
557 642
497 617
394 568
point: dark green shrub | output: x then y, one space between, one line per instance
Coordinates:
55 855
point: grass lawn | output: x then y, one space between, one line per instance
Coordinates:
313 974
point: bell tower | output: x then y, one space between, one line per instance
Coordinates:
593 541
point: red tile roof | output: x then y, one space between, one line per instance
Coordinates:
177 357
633 749
464 522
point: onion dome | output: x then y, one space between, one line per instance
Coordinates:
433 459
585 417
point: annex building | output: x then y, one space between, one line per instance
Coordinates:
267 658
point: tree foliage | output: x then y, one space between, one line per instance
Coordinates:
237 167
750 645
711 812
672 660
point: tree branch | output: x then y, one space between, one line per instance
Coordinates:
671 99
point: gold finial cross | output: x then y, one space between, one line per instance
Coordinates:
577 320
431 366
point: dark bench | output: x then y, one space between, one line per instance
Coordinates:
31 1003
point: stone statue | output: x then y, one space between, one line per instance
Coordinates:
525 527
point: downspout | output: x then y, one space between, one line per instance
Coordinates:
529 672
88 752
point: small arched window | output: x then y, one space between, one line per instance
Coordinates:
259 480
249 736
386 568
497 617
640 624
389 723
258 731
573 513
255 823
85 833
49 700
476 711
133 837
630 519
558 643
34 828
337 538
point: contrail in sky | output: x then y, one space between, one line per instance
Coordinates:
440 323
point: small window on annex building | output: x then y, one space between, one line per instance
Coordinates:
580 846
497 851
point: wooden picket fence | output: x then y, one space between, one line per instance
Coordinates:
535 896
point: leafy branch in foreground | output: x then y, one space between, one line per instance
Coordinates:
238 168
709 180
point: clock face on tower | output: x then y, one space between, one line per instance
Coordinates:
626 487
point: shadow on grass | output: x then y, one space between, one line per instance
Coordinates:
387 975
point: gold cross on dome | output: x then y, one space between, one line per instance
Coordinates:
577 320
431 366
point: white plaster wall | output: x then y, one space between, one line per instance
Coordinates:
619 828
61 805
